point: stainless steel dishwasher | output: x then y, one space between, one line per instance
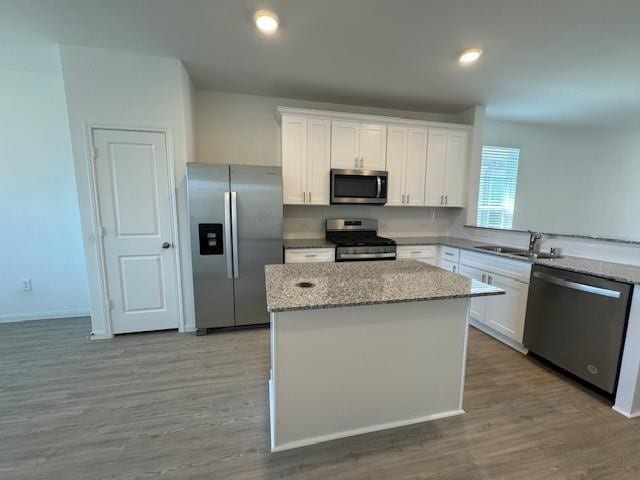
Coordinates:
578 323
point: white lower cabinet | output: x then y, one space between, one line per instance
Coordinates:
309 255
423 253
504 315
447 265
478 307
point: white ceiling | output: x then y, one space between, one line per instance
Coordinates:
555 61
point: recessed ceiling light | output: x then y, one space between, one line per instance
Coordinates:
266 21
470 55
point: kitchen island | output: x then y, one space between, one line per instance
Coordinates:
364 346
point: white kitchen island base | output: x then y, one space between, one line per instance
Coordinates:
338 372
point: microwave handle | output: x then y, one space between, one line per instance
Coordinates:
379 186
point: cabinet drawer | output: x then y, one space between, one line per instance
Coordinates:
519 270
408 252
309 255
450 254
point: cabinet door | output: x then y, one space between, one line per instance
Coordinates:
416 166
373 146
505 313
436 153
294 159
318 160
345 144
456 168
478 305
396 156
452 267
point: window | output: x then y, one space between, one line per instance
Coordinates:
498 178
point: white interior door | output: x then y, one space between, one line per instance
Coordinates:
134 198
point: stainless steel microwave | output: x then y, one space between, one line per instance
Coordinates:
358 186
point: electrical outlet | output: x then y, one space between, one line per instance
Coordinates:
26 284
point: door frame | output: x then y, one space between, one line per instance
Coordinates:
96 222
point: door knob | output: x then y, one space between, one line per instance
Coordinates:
166 245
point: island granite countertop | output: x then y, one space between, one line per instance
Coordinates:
364 283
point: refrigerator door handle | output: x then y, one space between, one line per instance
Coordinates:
234 232
227 232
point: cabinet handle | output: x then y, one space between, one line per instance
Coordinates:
490 280
311 255
441 199
304 197
484 278
407 199
309 197
446 199
403 198
455 268
356 162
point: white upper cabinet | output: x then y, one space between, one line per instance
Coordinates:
306 149
406 164
373 146
446 167
294 159
416 166
357 145
426 161
318 160
456 168
396 161
345 144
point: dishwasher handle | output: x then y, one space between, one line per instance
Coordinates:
581 287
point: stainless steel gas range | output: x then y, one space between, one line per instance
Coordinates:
357 239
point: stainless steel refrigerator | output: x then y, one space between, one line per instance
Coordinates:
236 229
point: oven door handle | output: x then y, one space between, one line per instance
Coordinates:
356 256
581 287
379 186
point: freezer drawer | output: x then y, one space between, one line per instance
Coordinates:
578 323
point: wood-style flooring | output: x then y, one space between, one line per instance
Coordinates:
177 406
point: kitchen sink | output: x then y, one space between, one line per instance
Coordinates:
518 252
508 250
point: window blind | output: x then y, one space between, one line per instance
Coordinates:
497 193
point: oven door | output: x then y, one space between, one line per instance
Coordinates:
358 186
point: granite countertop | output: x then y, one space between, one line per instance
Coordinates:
364 283
308 243
610 270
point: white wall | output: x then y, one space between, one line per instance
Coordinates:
40 225
234 128
574 180
120 89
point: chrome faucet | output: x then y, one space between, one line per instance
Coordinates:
534 241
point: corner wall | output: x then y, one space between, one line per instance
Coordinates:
124 90
40 223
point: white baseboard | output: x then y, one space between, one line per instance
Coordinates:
498 336
624 413
23 317
359 431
